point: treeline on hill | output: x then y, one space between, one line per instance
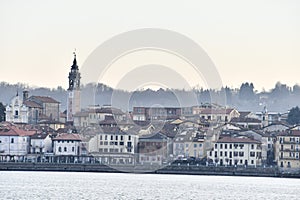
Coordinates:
280 99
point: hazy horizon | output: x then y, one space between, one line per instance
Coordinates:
254 42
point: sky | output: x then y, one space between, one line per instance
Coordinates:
255 41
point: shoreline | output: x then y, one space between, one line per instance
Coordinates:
170 169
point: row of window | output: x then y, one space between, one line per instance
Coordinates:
236 162
226 146
114 136
113 150
65 149
235 154
62 141
112 143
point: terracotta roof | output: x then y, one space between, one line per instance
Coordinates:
32 104
68 136
216 111
44 99
12 130
237 140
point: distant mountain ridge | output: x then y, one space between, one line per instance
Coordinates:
280 99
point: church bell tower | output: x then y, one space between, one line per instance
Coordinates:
73 103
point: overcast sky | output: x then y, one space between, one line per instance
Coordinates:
256 41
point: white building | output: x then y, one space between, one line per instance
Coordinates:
67 144
14 142
16 111
40 143
230 151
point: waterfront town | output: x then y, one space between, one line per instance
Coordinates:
36 130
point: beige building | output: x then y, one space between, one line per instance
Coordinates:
287 150
216 114
113 146
92 116
231 151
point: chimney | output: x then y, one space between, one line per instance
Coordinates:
25 95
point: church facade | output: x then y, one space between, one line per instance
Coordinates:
16 111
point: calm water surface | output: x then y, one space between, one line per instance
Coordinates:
69 185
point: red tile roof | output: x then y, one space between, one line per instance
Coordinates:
237 140
12 130
45 99
68 136
32 104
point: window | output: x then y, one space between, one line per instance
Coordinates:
16 113
73 149
116 137
59 149
200 145
225 153
241 146
252 162
121 143
241 154
225 146
195 145
129 137
230 146
216 154
221 153
105 137
252 154
100 137
65 149
216 146
252 146
230 154
221 146
111 137
235 154
121 137
12 140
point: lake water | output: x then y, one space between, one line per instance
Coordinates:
76 185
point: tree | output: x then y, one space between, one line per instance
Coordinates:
294 116
246 91
2 112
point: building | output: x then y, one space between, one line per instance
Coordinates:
113 146
94 115
14 142
40 145
16 111
153 149
231 151
66 147
155 113
216 114
246 122
41 108
287 150
73 99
